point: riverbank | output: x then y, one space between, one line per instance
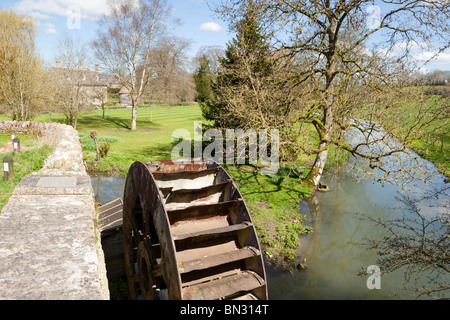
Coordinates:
417 118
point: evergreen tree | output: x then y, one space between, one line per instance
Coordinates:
203 80
246 69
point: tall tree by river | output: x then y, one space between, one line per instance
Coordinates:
349 53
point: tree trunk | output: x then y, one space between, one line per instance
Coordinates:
133 118
96 148
316 172
75 121
324 130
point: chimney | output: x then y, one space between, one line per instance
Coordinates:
97 68
58 64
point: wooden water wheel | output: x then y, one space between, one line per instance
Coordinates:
188 233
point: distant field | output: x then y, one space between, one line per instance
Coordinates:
432 142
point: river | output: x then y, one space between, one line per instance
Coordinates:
335 252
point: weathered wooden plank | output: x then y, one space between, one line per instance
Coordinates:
110 215
109 205
184 198
216 231
186 179
201 212
240 282
218 259
247 296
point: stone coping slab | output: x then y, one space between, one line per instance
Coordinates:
49 248
54 185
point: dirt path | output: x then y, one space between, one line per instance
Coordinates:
8 147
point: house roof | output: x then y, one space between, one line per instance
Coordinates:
80 75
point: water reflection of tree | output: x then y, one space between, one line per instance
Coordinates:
311 243
418 243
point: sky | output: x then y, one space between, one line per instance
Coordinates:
199 24
58 17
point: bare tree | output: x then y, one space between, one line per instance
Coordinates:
213 54
346 51
170 80
125 40
69 77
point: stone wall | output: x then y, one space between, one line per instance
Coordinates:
50 245
67 156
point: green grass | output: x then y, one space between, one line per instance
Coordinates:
274 205
151 140
24 163
432 141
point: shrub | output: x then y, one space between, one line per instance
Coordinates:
104 148
88 144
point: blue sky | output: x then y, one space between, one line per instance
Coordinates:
200 25
55 18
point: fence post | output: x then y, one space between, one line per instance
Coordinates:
8 169
16 145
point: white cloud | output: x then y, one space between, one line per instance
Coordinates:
436 58
39 15
210 27
49 28
88 9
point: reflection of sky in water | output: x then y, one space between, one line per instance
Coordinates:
419 179
107 188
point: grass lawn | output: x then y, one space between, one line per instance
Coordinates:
273 202
24 163
151 140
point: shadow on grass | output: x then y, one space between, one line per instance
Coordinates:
113 122
251 182
160 151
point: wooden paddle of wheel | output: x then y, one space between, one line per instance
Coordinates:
188 232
